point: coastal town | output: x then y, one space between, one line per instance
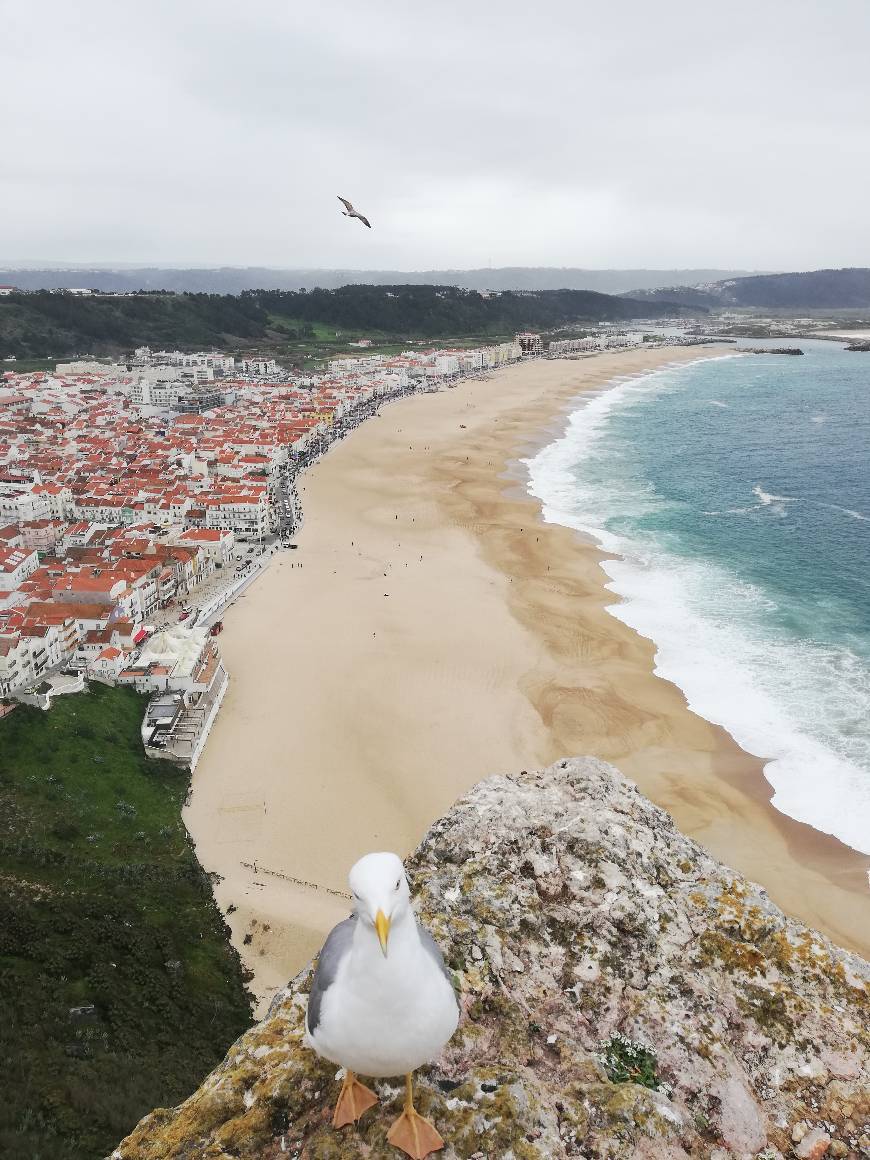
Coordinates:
138 499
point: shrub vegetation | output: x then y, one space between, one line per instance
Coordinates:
119 987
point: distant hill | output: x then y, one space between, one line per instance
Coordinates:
233 280
43 325
846 289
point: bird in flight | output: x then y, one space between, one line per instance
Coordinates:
349 211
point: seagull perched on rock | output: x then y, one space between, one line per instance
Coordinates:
381 1003
349 211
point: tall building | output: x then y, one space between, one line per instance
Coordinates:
530 344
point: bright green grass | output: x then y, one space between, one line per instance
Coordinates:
103 903
25 365
329 342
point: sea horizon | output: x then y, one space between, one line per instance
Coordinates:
733 550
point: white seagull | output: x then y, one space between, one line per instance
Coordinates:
349 211
381 1002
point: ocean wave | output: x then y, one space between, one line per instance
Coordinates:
800 706
585 426
845 511
729 512
763 688
776 503
765 497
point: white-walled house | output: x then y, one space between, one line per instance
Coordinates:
247 516
16 666
16 564
218 543
21 503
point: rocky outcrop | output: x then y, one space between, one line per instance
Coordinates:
623 995
770 350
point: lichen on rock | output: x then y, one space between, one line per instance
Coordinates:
574 916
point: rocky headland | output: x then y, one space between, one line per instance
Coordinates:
623 996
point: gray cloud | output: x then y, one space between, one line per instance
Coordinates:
560 133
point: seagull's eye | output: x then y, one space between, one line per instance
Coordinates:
398 883
356 897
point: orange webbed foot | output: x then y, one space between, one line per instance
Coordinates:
353 1099
414 1135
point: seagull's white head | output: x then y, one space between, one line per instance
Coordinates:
381 895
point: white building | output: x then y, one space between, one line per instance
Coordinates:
22 502
531 344
447 364
356 366
47 647
245 515
16 564
218 543
258 366
16 665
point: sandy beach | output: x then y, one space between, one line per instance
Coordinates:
431 630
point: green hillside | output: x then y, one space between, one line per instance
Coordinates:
42 325
104 908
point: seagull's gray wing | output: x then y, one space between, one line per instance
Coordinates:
345 203
430 946
334 950
365 221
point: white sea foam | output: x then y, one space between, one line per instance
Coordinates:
727 512
776 503
845 511
800 706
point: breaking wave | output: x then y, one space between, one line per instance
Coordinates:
800 704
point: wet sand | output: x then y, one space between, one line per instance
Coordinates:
431 630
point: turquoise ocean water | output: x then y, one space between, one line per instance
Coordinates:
736 492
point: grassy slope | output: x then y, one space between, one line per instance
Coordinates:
333 342
103 902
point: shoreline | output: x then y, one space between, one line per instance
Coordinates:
433 631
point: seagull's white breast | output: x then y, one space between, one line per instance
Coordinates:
386 1016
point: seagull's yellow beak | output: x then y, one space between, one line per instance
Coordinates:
382 926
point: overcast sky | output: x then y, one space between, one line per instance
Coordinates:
626 133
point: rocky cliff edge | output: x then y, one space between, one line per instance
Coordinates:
623 994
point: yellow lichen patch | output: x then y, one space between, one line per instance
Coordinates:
735 955
780 950
855 989
251 1129
628 1110
490 1125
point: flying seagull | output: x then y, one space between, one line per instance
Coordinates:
349 211
381 1002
